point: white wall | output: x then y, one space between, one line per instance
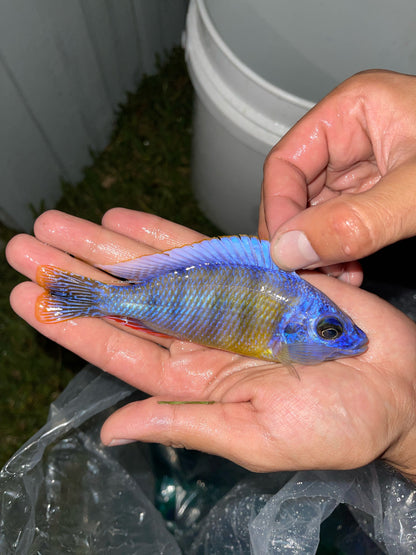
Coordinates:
64 67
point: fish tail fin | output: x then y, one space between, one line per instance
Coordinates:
67 295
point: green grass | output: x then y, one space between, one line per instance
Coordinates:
145 166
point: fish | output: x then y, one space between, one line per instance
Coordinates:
223 292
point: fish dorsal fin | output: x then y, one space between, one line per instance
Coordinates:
233 250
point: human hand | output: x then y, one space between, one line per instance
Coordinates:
340 414
342 183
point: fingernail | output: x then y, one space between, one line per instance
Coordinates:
345 277
293 251
119 441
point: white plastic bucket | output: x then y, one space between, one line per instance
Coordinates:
258 65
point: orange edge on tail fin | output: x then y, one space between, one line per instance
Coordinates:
67 295
41 312
43 274
42 302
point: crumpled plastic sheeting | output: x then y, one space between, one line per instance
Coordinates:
289 521
373 493
64 492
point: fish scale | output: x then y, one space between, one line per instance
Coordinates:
228 315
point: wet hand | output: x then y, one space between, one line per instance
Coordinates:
342 183
340 414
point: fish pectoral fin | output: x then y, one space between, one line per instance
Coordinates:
309 354
284 358
135 324
281 353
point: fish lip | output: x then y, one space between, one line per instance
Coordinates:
363 348
363 344
356 350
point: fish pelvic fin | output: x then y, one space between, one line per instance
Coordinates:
67 295
283 356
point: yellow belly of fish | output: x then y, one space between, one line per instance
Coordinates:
225 309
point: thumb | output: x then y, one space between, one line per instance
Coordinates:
349 226
218 428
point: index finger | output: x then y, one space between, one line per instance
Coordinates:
125 234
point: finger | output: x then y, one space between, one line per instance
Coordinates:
86 240
25 254
350 227
147 228
208 428
263 232
348 272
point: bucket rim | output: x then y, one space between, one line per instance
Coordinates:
244 68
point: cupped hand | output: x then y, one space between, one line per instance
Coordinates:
342 183
340 414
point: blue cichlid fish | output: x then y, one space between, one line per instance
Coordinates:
225 293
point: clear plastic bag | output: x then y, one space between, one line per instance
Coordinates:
63 492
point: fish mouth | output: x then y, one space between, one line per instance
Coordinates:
356 350
361 345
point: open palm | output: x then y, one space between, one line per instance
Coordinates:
339 414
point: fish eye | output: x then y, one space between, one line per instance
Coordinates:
329 328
